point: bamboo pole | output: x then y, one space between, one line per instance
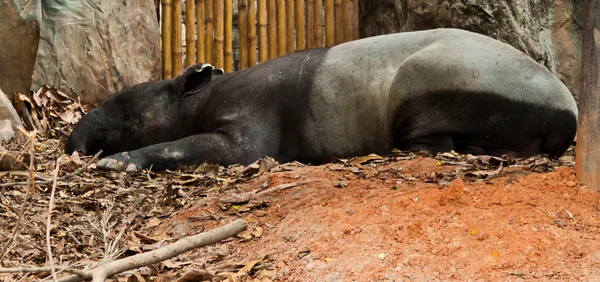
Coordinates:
243 32
251 33
346 18
310 23
262 31
587 152
318 23
281 43
200 42
228 36
300 28
177 50
218 14
208 35
272 28
290 26
339 32
329 23
190 40
355 19
167 29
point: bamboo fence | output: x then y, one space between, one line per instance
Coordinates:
265 29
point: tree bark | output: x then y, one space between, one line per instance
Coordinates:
587 165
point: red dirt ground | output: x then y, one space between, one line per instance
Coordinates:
389 224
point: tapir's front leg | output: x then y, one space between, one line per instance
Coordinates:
222 147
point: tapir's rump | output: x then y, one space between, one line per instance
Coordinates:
436 90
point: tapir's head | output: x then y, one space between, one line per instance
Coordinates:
139 116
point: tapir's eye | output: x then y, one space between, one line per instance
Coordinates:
126 117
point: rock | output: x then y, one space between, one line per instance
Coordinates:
9 120
547 30
526 26
566 40
95 48
19 37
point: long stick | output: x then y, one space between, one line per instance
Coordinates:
182 245
208 35
339 32
291 46
200 43
243 32
310 23
167 29
272 28
190 40
262 31
176 43
49 220
228 36
218 16
355 19
329 23
251 33
281 42
300 28
318 23
346 18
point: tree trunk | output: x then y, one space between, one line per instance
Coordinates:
588 152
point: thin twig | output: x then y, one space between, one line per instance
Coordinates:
49 219
40 269
140 260
66 176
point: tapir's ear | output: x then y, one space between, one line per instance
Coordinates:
194 78
218 72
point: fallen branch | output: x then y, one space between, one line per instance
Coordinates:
246 197
49 220
66 176
140 260
39 269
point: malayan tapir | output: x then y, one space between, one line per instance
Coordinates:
435 90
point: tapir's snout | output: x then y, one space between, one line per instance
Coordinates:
77 141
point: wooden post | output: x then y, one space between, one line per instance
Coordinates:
291 46
251 33
262 31
208 35
355 19
190 40
339 32
318 23
177 50
242 32
281 42
272 28
300 28
587 163
310 23
200 51
167 28
346 16
218 14
329 23
228 36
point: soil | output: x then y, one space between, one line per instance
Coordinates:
402 217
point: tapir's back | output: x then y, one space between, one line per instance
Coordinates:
353 103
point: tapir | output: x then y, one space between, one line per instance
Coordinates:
435 90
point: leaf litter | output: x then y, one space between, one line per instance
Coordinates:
101 216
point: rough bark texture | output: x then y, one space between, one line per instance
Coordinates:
525 24
588 152
19 37
9 120
94 48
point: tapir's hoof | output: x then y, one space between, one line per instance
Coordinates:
119 162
